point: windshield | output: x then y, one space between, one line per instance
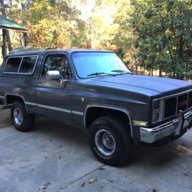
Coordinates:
89 64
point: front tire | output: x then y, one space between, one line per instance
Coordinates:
110 140
21 120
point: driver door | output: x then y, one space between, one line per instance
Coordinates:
52 97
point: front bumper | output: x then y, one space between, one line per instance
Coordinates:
175 128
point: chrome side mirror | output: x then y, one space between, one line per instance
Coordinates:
53 75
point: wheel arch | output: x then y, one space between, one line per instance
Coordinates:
93 112
11 98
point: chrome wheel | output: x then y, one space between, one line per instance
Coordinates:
21 120
105 142
18 116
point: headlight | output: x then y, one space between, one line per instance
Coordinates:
158 106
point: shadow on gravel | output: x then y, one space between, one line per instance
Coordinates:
146 155
155 156
60 131
5 118
159 156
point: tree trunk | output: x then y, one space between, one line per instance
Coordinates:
8 40
6 35
4 46
25 37
160 72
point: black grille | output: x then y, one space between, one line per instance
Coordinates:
174 104
170 107
182 102
190 100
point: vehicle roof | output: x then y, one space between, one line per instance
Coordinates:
43 51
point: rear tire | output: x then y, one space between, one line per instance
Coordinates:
110 140
21 120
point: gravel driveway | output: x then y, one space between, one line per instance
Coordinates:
56 158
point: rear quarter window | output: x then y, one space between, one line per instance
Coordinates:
12 65
28 64
21 65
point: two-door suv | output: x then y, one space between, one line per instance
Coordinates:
95 90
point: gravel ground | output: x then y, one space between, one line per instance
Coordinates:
56 158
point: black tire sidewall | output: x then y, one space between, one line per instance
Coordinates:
28 119
122 138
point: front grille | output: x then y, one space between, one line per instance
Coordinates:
190 100
180 102
170 107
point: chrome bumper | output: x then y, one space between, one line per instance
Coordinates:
174 127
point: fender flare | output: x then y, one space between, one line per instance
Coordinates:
17 96
115 108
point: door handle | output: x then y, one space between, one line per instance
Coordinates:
82 99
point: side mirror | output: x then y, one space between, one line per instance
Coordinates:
53 75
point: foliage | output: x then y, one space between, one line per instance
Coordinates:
164 30
124 38
51 23
155 34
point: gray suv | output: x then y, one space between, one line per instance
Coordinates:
95 90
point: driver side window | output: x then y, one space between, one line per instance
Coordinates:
57 62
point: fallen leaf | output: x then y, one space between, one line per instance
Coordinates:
152 190
83 184
110 180
44 187
91 181
181 148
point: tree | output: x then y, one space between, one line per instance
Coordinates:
154 33
124 37
164 30
6 35
99 27
51 23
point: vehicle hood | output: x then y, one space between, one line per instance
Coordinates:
146 85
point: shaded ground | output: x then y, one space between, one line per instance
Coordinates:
56 158
5 118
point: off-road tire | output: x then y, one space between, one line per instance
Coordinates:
110 140
21 120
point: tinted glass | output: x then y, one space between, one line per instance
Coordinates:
57 62
12 65
28 64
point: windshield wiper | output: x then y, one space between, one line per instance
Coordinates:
121 71
118 71
100 73
96 74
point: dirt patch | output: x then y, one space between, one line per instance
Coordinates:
5 118
182 149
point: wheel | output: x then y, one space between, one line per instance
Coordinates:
21 120
110 140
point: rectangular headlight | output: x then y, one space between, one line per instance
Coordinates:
158 106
